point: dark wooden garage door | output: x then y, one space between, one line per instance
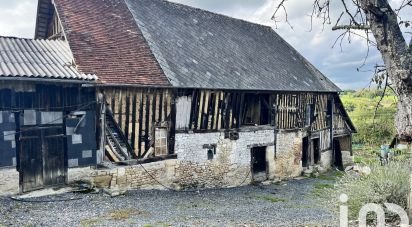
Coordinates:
42 158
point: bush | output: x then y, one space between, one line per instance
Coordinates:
385 184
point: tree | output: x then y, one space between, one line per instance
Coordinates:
378 18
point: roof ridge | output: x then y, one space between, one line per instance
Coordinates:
214 13
31 39
13 37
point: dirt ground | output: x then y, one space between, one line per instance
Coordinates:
292 203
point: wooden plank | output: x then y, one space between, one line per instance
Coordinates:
165 106
205 115
233 109
127 116
154 105
215 118
240 116
111 154
161 107
172 124
201 106
147 123
193 108
123 114
213 105
119 111
227 110
134 112
139 136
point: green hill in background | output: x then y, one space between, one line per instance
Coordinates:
373 130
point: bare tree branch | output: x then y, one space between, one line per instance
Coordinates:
377 17
355 27
281 6
349 13
404 4
381 99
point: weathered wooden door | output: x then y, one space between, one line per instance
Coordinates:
31 161
42 158
54 172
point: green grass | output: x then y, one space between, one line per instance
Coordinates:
90 222
272 199
319 189
320 186
330 176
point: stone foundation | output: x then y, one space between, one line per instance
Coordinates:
9 181
209 160
206 160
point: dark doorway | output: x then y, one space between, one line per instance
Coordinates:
259 166
316 150
337 154
257 109
305 152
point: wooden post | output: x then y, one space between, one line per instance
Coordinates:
275 129
172 123
133 136
140 126
330 126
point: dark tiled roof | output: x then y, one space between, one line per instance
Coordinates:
200 49
46 59
105 41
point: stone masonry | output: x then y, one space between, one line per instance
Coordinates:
230 165
206 160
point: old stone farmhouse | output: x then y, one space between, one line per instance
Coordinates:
185 98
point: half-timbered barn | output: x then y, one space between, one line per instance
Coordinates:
47 114
197 99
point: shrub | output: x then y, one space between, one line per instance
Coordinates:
385 184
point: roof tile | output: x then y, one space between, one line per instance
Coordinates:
106 41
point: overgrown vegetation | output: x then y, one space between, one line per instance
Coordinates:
375 126
385 184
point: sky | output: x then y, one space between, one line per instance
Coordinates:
345 65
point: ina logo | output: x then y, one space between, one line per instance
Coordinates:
371 208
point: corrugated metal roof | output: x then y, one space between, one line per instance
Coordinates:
50 59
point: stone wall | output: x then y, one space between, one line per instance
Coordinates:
9 181
230 165
288 162
154 175
326 159
9 178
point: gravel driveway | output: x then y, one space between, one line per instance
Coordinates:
290 203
